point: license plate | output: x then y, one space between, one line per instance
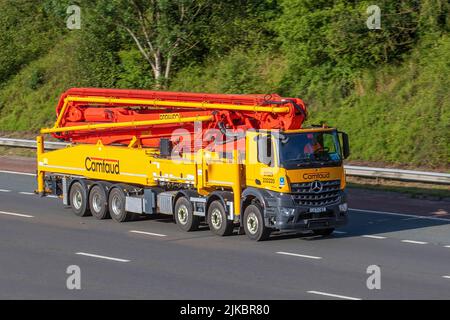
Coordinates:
317 210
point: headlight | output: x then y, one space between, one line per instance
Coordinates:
287 211
343 207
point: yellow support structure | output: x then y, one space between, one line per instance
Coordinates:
237 187
40 174
126 124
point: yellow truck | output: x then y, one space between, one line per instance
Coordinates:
231 161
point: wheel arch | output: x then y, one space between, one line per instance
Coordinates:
222 196
106 186
83 183
183 193
249 196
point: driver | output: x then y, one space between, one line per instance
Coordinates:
312 146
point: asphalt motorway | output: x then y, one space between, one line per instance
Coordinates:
152 259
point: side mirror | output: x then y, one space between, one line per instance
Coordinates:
345 145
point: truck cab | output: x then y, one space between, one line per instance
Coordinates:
297 178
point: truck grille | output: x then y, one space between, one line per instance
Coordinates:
305 195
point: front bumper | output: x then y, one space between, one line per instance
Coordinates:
283 214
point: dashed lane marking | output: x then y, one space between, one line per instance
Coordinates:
148 233
16 214
414 242
333 295
298 255
101 257
373 237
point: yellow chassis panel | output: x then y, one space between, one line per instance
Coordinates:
203 171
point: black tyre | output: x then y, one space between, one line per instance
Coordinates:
254 223
79 200
323 232
184 215
116 204
218 221
98 202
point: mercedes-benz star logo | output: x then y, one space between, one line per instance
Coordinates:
316 186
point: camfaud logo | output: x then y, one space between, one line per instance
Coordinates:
316 175
102 165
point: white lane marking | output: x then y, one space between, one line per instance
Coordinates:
339 232
372 236
27 193
52 196
16 214
401 215
4 190
19 173
148 233
298 255
446 277
447 247
101 257
414 242
333 295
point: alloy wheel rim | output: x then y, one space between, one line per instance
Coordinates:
252 223
96 203
182 214
216 219
77 200
115 205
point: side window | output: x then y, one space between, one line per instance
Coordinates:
328 143
265 152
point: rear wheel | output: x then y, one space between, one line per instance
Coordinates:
116 205
78 200
254 223
323 232
184 215
98 202
218 221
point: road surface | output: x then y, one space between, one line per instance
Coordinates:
408 239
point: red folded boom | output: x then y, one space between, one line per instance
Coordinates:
86 109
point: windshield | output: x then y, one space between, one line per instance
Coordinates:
310 149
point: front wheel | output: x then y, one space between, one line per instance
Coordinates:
254 223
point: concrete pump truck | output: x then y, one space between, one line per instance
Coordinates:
231 161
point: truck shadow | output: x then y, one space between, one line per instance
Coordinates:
163 218
366 223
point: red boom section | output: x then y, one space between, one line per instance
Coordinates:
82 107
